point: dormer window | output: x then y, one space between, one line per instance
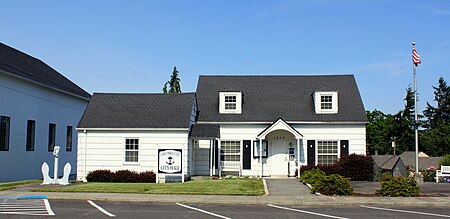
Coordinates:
326 102
230 102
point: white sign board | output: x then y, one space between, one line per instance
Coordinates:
169 161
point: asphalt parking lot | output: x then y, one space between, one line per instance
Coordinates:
103 209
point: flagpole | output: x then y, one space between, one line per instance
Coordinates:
416 122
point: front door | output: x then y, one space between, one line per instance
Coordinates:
278 158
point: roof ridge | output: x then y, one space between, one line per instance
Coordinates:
113 93
333 75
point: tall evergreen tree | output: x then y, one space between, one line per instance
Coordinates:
435 139
439 115
173 83
403 124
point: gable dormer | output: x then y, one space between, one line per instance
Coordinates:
326 102
230 102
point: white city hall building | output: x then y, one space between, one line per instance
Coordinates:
243 125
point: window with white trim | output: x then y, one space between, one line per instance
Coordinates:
327 152
326 102
230 150
132 150
230 102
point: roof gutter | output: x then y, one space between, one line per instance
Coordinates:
290 122
132 129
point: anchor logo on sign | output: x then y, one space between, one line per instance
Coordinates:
170 162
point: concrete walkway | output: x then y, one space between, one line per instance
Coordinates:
282 192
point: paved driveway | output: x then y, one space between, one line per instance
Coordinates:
287 187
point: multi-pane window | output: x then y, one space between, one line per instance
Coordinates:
327 152
132 150
230 150
4 133
230 102
51 136
326 102
69 138
31 127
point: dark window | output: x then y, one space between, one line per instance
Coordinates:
31 126
51 136
69 139
230 102
4 133
326 102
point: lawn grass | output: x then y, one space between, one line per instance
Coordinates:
246 187
12 185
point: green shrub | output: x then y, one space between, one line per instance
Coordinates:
445 160
328 169
312 176
333 185
356 167
429 174
399 186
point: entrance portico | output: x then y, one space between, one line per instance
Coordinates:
284 151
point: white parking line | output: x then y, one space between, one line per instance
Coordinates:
47 206
100 209
203 211
405 211
33 207
306 212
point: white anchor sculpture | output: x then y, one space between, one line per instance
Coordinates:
45 171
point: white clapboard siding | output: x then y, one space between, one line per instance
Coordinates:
106 149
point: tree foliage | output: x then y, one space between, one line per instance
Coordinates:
434 134
174 83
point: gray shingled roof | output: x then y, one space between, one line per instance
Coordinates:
266 98
17 63
409 159
131 110
205 131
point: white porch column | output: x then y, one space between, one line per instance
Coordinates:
219 161
260 156
211 157
298 157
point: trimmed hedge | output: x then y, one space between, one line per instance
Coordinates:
125 176
354 166
399 186
333 185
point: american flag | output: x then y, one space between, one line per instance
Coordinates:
415 57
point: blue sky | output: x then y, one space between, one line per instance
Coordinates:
132 46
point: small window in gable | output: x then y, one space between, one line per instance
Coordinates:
230 102
326 102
